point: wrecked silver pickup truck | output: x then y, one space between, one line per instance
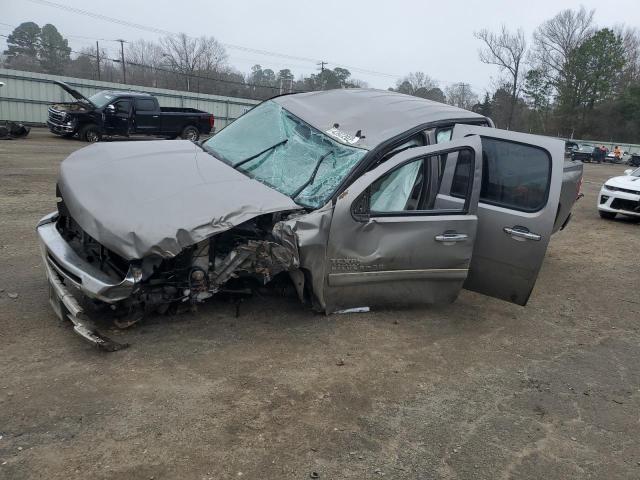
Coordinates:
356 197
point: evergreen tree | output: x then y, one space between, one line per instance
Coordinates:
22 46
53 52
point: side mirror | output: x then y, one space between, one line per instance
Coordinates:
628 171
110 109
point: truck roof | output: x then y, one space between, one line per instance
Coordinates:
378 114
127 93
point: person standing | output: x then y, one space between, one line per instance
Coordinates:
603 153
595 155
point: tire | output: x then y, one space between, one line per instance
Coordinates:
607 215
190 133
90 133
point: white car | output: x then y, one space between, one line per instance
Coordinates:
611 157
621 195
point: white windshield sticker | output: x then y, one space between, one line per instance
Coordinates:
342 136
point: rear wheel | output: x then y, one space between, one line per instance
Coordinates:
90 133
607 215
190 133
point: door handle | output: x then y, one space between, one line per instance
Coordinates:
155 116
522 233
452 237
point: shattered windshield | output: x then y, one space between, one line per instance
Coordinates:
276 148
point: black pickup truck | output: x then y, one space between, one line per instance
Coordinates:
124 113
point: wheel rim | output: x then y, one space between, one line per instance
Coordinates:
92 136
191 134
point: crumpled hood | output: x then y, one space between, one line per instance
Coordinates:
625 181
158 197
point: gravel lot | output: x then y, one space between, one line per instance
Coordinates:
478 389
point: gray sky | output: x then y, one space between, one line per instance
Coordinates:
388 37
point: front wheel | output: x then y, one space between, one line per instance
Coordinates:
607 215
190 133
90 133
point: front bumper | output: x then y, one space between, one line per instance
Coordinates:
65 268
619 202
60 128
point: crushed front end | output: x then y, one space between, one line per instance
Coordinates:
81 271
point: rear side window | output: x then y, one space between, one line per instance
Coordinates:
514 175
145 105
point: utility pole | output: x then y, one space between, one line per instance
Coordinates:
124 71
322 64
98 58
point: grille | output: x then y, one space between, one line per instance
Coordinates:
56 116
628 205
86 246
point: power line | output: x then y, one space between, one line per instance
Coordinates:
162 31
234 56
246 49
172 72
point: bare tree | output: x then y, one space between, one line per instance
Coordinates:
631 42
419 84
558 37
144 59
461 95
507 51
186 55
85 65
415 81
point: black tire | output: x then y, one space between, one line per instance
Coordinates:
607 215
90 133
190 133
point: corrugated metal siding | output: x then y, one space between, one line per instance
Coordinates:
26 95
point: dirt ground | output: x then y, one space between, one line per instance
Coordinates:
479 389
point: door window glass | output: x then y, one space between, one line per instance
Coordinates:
392 192
123 106
514 175
416 186
145 105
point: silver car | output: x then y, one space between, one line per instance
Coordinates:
355 197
